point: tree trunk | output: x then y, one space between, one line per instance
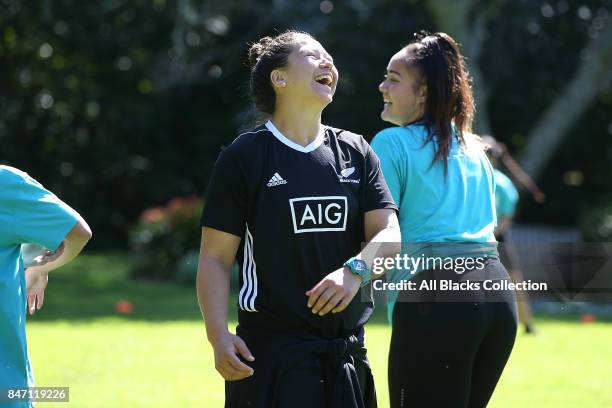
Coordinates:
581 91
466 21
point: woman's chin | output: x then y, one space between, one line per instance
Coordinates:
384 115
326 96
324 99
323 93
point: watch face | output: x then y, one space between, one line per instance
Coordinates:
360 265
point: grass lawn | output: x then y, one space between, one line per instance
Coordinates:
158 356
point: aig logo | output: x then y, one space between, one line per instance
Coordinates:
317 214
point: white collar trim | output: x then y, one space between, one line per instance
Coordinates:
304 149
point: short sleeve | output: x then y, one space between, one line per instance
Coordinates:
225 206
387 154
39 216
378 195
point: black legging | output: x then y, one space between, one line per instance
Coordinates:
451 352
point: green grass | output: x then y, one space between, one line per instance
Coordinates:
158 355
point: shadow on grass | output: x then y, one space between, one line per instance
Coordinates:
91 286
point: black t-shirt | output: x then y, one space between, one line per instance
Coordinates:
300 214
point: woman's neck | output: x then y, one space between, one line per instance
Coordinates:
420 119
300 125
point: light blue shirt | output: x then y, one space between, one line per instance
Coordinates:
28 214
434 208
506 195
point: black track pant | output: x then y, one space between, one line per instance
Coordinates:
450 349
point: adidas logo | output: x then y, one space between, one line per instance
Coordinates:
276 180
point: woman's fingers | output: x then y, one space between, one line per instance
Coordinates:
227 361
343 304
35 302
237 365
314 293
31 303
331 303
323 299
242 348
234 369
40 300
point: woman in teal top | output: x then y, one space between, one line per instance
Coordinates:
29 214
448 348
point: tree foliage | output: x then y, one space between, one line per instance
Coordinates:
121 105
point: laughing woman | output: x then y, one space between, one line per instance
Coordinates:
292 201
447 349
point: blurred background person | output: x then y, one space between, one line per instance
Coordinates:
506 200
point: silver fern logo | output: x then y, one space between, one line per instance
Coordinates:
347 172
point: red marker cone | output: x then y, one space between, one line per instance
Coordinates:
124 307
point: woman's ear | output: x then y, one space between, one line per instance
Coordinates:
277 78
422 94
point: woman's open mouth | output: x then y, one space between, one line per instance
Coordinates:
324 79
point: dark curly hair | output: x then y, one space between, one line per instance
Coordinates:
266 55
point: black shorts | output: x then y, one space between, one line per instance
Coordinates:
303 371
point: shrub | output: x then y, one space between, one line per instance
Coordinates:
164 236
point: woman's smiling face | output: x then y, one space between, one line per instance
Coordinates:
309 75
403 94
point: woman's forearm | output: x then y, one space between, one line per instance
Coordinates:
72 245
382 232
385 243
213 287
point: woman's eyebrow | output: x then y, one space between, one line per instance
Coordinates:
323 53
319 52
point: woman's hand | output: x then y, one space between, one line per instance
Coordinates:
227 347
36 283
334 292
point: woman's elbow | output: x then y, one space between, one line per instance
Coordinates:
395 242
80 234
